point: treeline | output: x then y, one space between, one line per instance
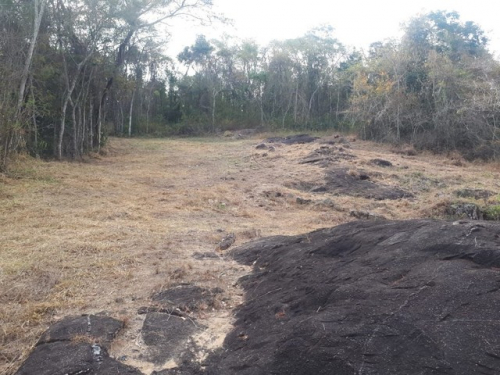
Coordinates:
84 70
69 69
438 88
303 83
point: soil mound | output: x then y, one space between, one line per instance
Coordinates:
381 162
358 185
342 181
405 297
292 139
474 193
326 155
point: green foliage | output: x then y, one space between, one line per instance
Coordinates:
492 212
437 89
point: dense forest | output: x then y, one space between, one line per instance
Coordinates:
74 72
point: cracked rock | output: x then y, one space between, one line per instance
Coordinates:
369 297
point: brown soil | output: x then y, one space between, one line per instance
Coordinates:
105 235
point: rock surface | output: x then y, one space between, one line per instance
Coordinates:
76 346
100 328
410 297
166 335
367 297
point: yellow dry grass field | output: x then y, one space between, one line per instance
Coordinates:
102 235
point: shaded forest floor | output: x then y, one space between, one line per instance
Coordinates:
102 236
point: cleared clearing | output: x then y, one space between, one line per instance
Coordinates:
103 235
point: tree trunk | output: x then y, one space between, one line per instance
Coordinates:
147 114
35 125
338 104
120 58
130 114
83 118
39 9
75 130
70 87
214 97
261 112
99 128
61 129
310 105
91 127
295 109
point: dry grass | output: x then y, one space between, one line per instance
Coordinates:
102 236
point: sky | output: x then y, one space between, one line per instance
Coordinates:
357 23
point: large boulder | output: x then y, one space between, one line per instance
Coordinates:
393 297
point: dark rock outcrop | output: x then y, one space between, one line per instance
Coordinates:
100 328
166 335
77 346
170 322
367 297
186 298
410 297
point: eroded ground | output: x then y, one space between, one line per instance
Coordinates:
104 237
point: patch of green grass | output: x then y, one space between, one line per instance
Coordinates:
30 173
151 146
492 212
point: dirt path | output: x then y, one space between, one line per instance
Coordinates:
103 236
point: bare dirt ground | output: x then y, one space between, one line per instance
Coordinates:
104 235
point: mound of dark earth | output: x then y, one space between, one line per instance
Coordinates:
326 155
342 181
474 193
292 139
381 162
406 297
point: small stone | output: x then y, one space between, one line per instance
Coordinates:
226 242
381 162
303 201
